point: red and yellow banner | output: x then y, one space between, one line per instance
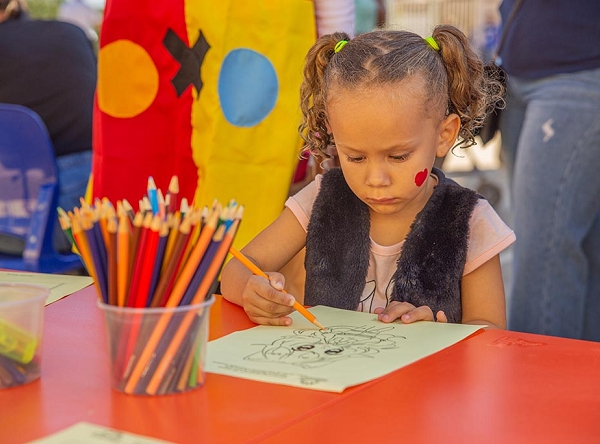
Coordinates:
205 90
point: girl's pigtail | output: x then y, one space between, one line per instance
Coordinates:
472 93
313 128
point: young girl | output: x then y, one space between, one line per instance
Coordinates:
386 232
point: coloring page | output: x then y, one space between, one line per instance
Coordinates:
354 348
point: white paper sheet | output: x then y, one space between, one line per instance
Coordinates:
87 433
354 348
60 285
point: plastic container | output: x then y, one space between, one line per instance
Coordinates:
157 351
21 331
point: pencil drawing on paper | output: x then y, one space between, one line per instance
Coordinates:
319 348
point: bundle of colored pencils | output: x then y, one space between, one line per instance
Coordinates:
140 259
164 255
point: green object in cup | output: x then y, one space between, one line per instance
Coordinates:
16 344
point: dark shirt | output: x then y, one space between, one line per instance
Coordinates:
50 67
550 37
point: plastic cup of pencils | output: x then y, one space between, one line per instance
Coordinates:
21 328
157 351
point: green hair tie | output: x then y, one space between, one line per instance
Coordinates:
339 45
432 43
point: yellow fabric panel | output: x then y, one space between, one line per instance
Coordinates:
252 164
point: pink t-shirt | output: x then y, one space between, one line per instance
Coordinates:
488 236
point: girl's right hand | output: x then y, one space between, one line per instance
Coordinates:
264 301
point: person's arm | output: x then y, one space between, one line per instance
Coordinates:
270 250
483 299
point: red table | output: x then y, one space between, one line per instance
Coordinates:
496 386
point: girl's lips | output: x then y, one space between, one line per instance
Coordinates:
382 201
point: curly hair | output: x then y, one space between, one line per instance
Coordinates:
455 77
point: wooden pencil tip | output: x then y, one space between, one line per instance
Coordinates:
151 183
174 185
318 324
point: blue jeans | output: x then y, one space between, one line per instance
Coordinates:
73 176
551 131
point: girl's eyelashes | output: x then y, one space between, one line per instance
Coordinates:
401 158
355 159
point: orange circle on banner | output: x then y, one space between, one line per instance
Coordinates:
127 79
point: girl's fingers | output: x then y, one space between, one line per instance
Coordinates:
441 316
407 313
394 311
265 304
282 321
422 313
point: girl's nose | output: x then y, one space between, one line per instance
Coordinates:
377 175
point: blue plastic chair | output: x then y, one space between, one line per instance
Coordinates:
29 193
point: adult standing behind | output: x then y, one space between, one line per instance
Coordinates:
50 67
551 130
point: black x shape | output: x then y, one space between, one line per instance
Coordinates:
190 60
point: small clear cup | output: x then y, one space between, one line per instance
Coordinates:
157 351
21 331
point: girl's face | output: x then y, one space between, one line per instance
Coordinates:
387 141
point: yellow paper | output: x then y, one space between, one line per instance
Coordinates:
60 285
354 348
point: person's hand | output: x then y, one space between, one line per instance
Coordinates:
408 313
264 301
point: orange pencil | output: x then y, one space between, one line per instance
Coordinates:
123 246
173 300
81 242
111 228
257 271
173 220
128 209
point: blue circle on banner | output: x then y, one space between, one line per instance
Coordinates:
248 87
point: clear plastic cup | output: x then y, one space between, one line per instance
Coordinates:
157 351
21 328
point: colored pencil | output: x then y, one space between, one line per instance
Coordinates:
123 245
173 195
152 195
257 271
173 220
91 237
138 221
158 260
112 261
138 266
167 278
150 248
128 209
162 212
81 241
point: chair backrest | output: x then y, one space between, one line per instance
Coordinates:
28 183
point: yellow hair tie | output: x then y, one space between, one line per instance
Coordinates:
432 43
339 45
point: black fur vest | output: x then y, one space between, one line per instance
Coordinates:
433 257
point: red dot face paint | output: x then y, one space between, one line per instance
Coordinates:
420 177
